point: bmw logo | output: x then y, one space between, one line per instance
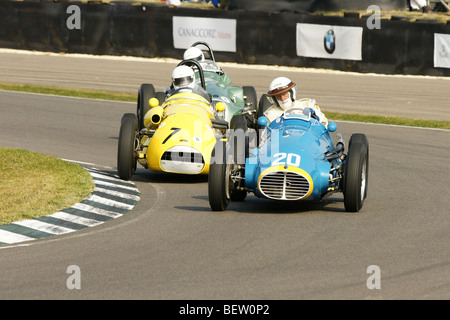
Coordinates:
329 41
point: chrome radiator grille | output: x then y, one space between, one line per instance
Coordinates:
194 157
284 185
182 159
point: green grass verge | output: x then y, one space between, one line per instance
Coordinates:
34 185
92 94
80 93
388 120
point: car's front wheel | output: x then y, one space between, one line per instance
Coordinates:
126 153
219 178
239 139
356 173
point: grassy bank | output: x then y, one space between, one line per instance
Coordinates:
34 185
80 93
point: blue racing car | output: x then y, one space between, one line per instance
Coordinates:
295 159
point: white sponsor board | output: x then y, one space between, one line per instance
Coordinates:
331 42
220 34
441 50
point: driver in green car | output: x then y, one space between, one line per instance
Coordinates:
194 53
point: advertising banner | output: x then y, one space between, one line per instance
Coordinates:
331 42
441 50
220 34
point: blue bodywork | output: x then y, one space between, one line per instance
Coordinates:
294 145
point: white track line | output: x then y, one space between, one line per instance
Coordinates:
92 205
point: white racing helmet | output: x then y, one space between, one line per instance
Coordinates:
194 53
183 76
280 86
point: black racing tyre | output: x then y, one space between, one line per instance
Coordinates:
361 138
356 173
263 105
251 102
239 144
239 139
126 155
238 122
218 178
358 138
146 91
161 96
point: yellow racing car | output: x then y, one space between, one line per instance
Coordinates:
177 133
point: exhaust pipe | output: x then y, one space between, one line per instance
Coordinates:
153 116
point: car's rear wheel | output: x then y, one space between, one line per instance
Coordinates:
145 93
219 178
251 102
161 96
126 153
356 173
263 105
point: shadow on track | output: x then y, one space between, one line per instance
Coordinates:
255 205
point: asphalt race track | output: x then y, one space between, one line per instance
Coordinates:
172 246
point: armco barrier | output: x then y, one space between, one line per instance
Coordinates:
145 30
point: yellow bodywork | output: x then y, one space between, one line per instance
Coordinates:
183 138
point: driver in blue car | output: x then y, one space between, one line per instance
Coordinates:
282 95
